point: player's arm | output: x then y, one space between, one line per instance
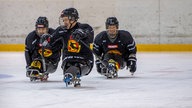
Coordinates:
97 45
53 36
132 50
28 51
89 33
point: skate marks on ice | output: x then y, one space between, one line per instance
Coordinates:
5 76
121 75
159 82
88 83
118 78
82 87
58 84
42 86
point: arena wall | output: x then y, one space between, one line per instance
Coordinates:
156 25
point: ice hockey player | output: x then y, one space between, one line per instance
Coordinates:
77 59
115 49
41 57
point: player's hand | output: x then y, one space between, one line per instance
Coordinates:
132 65
45 39
98 65
78 34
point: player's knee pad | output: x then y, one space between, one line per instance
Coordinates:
36 64
85 70
51 68
86 67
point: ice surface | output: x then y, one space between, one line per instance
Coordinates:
162 80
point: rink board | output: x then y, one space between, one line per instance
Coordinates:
140 47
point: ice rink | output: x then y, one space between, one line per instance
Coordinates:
162 80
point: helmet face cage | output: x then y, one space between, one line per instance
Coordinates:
42 22
112 21
61 23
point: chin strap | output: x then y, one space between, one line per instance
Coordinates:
71 24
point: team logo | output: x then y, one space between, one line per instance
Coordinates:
73 46
46 53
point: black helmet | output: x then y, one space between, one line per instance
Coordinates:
112 21
42 22
71 13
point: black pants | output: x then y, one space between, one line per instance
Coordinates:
50 65
85 65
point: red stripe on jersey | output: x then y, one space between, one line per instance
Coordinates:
40 26
112 46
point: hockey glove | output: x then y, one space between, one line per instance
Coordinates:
132 66
45 39
131 63
98 65
78 34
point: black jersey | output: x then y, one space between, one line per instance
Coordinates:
123 45
33 48
70 46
